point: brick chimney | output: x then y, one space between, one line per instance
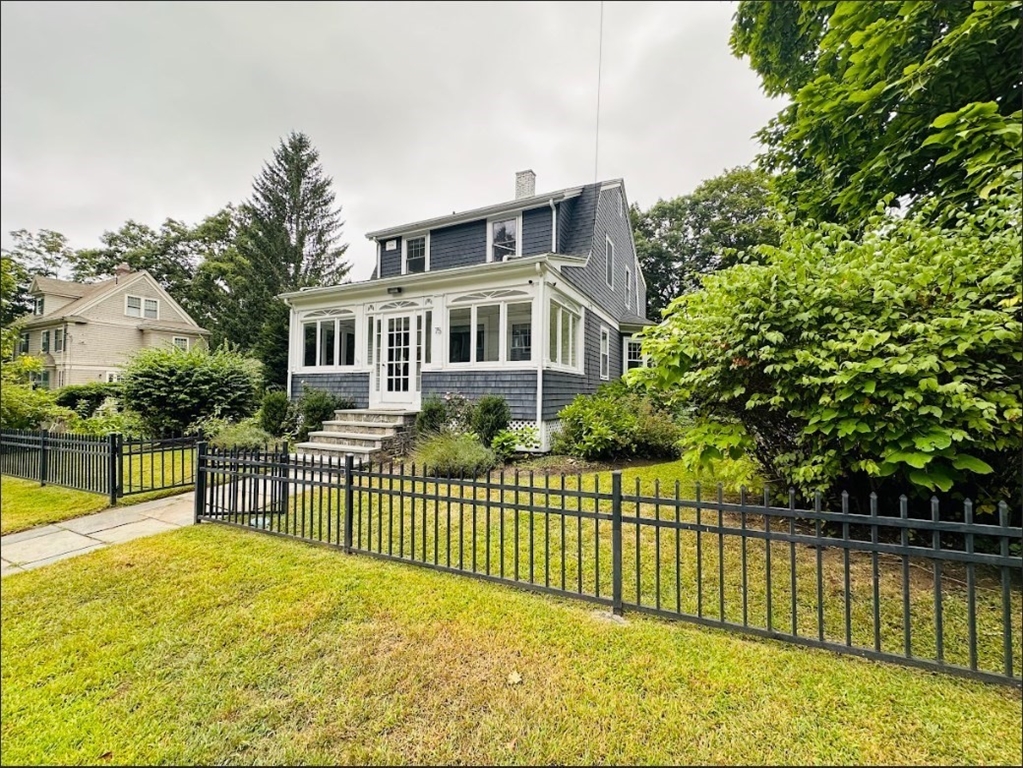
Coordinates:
120 271
525 184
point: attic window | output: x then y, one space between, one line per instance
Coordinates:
37 305
415 254
136 306
504 239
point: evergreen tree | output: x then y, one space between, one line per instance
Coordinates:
289 240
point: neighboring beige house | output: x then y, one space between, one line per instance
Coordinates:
85 331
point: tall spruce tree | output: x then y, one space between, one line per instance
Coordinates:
290 240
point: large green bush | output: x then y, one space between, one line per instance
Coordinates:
274 413
490 415
887 359
316 406
432 416
452 454
172 388
84 399
617 421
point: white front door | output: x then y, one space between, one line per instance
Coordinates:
397 361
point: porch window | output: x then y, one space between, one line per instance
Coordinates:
488 333
564 333
328 342
459 350
520 332
502 332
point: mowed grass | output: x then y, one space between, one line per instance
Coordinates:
218 646
25 504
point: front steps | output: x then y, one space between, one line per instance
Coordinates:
367 433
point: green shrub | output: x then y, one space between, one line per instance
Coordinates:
451 454
460 411
84 399
490 415
616 422
109 418
274 413
24 407
432 416
316 406
507 441
173 388
243 435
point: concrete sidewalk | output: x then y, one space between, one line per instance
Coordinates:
47 544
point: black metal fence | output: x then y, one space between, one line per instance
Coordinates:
909 588
110 464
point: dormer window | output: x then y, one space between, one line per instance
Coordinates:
136 306
504 239
37 305
416 249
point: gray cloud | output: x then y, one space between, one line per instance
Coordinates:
113 111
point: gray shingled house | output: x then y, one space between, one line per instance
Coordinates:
535 299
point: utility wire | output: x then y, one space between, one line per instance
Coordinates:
600 58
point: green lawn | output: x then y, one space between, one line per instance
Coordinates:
217 646
26 504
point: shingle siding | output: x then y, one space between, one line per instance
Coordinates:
610 220
353 385
566 214
458 246
517 387
536 231
390 261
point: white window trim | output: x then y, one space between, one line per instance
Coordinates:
337 366
628 288
44 341
112 376
625 354
580 339
38 305
59 333
404 252
503 335
609 264
142 306
605 354
24 342
490 234
185 339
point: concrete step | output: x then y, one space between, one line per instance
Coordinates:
348 438
361 428
333 450
376 416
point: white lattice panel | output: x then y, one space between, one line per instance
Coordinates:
551 429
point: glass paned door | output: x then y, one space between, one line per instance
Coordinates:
396 362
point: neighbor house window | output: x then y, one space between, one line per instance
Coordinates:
136 306
609 262
634 354
23 343
564 336
181 342
415 254
45 345
328 342
605 353
58 340
41 380
37 305
113 376
504 239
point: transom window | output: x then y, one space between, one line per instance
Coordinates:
415 254
328 342
605 354
504 239
634 354
564 336
136 306
491 333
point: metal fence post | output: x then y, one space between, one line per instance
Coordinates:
113 462
616 542
200 480
43 457
349 499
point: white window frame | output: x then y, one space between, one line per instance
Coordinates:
142 306
490 234
113 376
38 305
644 359
24 342
605 354
128 297
609 262
44 341
628 288
185 339
404 252
58 340
579 343
319 321
145 301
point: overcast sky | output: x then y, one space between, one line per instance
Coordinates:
116 111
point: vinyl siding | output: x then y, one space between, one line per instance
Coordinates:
111 308
536 231
458 246
517 387
390 261
353 385
52 303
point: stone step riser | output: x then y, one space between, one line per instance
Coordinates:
366 428
362 442
375 417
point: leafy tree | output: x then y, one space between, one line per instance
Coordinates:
855 362
41 253
680 240
14 282
290 240
910 99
